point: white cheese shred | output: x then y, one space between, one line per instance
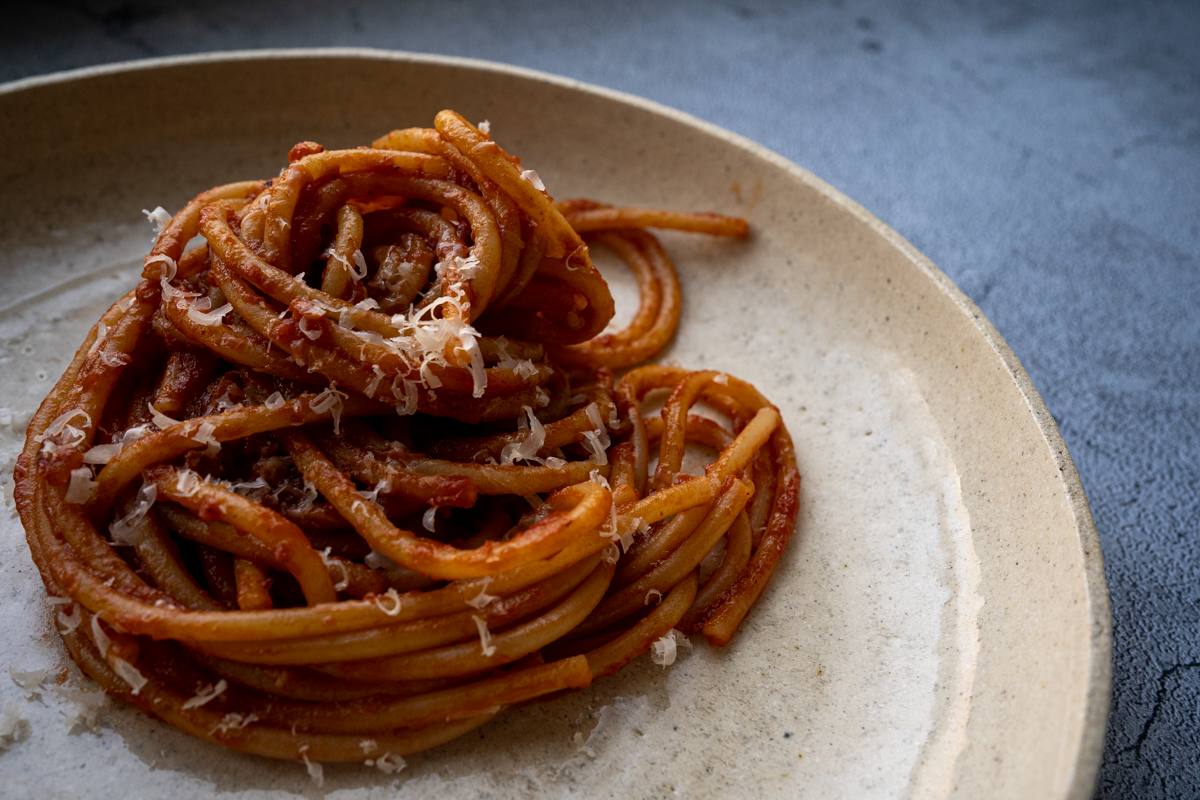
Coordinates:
485 636
129 673
82 487
207 694
482 600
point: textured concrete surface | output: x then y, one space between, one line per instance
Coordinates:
1047 158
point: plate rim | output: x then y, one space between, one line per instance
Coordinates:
1086 768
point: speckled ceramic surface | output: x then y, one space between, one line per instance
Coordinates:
940 625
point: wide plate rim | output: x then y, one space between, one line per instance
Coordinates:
1085 772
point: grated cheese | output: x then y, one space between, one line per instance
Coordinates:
160 218
533 178
199 313
388 763
129 673
315 770
484 127
125 531
160 419
429 518
188 483
331 564
102 453
82 487
483 599
368 746
99 636
392 595
329 399
275 401
30 681
12 725
62 423
85 707
485 636
596 441
232 721
653 594
207 694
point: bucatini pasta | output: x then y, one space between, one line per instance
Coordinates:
355 474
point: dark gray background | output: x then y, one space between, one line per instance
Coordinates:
1047 158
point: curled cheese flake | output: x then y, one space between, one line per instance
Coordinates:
596 441
160 419
82 487
368 746
653 595
391 595
99 637
485 636
373 386
330 400
103 453
233 722
85 707
485 127
332 563
129 673
206 694
205 434
387 763
199 313
315 770
275 402
68 621
612 554
62 422
12 725
663 651
29 681
429 518
721 378
126 530
188 483
482 600
160 218
533 178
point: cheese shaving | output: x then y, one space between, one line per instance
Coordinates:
99 636
231 722
721 378
188 483
12 724
533 178
527 449
391 595
330 399
68 622
387 763
315 770
653 594
160 218
102 453
198 312
29 681
368 746
85 707
663 651
160 419
484 127
275 401
82 487
485 636
126 530
612 554
129 673
429 518
62 422
482 600
596 441
332 563
206 694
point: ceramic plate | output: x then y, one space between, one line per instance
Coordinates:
940 624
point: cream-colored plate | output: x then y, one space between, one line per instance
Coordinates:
940 624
